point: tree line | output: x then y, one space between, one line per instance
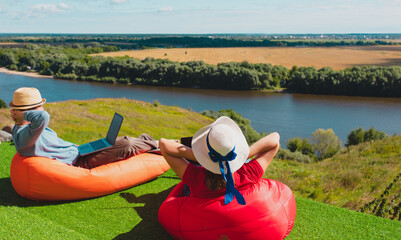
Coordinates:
196 41
72 62
140 41
356 81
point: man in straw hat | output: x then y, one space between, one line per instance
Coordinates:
222 151
33 137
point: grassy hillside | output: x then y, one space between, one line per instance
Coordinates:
81 121
366 174
132 214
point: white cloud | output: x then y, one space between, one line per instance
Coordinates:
63 6
165 9
43 10
119 1
49 8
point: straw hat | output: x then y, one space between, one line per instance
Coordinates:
26 98
223 136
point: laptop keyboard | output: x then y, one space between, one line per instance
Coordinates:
98 144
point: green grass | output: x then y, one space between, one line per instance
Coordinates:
126 215
83 121
352 178
321 221
132 214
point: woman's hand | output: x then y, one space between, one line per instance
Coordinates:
176 155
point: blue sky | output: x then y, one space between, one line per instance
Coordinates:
201 16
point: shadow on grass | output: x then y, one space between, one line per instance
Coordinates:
10 198
168 177
149 227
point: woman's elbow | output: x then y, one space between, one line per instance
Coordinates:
166 146
163 144
276 137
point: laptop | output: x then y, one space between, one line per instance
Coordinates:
103 143
186 141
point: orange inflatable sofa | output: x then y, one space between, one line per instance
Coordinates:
40 178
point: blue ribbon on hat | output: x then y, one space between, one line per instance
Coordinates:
230 189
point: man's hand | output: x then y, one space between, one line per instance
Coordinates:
17 116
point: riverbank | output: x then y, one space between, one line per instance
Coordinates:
37 75
27 74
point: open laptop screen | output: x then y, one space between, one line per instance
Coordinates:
114 128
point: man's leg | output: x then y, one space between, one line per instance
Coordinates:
124 147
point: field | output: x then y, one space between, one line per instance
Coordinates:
318 57
11 44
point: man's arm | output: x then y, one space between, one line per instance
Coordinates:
28 136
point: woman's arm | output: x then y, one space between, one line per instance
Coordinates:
176 155
265 149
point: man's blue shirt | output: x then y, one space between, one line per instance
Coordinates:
36 139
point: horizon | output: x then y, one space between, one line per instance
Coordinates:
26 34
206 17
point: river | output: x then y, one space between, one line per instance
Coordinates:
292 115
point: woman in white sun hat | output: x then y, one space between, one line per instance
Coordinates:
222 151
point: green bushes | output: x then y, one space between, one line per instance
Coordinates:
13 67
68 76
245 124
325 143
2 104
74 59
286 154
66 61
300 145
359 136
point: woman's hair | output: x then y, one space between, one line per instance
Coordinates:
214 181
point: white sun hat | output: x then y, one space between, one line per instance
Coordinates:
222 149
224 134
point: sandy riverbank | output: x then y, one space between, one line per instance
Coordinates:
28 74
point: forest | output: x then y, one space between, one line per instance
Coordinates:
142 41
72 61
